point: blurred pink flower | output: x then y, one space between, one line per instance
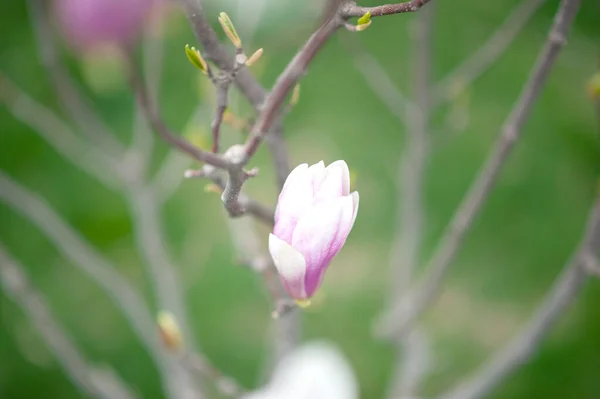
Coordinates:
91 23
315 213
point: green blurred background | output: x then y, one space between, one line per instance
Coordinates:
524 235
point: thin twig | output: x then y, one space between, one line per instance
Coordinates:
150 239
380 82
352 10
98 382
427 291
565 289
161 128
412 354
486 55
225 384
153 59
285 83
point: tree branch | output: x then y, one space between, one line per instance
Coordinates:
249 86
161 128
102 383
450 242
486 55
566 288
352 10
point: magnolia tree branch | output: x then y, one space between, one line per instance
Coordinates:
350 9
153 59
565 289
428 289
93 381
413 353
486 55
249 86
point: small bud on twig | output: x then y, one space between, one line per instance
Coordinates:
593 86
254 57
170 333
295 95
196 59
364 22
229 30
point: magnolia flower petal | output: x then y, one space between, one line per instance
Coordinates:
291 266
355 201
345 226
343 166
314 275
316 234
295 198
318 175
317 370
332 186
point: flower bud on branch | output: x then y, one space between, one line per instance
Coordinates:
314 216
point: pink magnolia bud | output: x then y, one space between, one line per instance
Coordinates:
314 216
91 23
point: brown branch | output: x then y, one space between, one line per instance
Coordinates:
352 10
486 55
286 82
565 289
93 381
161 128
479 191
249 205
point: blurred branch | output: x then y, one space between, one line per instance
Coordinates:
226 385
380 82
565 289
486 55
98 382
83 255
427 291
153 54
412 363
59 134
409 373
73 101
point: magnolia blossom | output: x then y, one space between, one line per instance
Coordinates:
315 213
317 370
91 23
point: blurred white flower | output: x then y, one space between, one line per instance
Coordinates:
317 370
